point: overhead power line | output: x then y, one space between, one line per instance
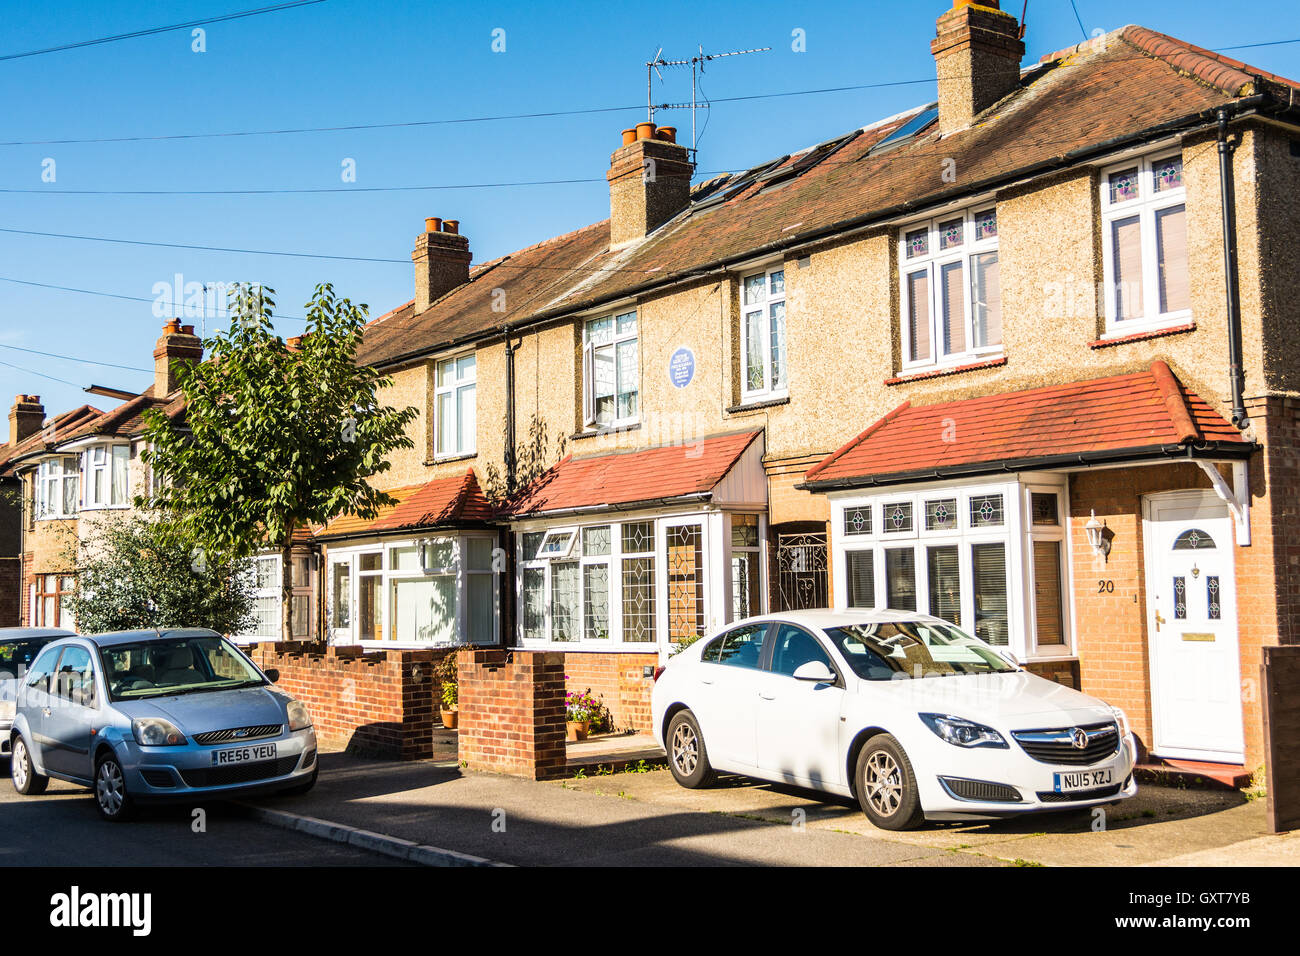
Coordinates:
151 31
72 358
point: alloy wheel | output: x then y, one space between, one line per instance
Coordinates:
686 751
110 788
18 764
884 783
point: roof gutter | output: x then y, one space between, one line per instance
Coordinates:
1217 450
1205 120
642 505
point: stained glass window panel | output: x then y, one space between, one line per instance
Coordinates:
986 511
941 515
1167 174
951 233
754 351
857 520
1213 608
1180 598
639 600
744 531
1193 539
595 541
638 537
917 242
595 601
1123 185
986 225
897 517
753 289
685 555
1044 508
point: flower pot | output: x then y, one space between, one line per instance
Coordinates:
449 719
577 729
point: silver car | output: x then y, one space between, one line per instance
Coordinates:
18 648
143 716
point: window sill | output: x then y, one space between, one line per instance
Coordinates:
924 374
446 459
608 430
758 403
1106 341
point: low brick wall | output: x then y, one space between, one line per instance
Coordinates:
512 712
380 704
618 681
11 592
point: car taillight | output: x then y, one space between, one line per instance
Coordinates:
658 670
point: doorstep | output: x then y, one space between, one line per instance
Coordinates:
615 751
1193 773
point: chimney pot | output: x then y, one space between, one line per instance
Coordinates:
433 224
977 51
629 136
645 130
451 226
667 133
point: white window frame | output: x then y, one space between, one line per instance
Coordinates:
767 388
932 262
1148 204
460 567
52 475
98 461
589 350
463 378
1016 533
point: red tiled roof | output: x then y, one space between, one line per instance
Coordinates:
1093 419
623 478
58 428
438 503
1134 82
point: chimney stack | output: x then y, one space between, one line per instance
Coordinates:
649 182
441 260
177 346
977 55
25 418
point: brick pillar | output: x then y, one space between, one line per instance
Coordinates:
512 712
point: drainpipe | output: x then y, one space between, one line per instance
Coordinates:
1236 374
510 410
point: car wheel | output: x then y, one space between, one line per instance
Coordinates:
299 789
687 757
111 799
23 773
886 785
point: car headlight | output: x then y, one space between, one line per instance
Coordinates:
156 732
963 733
1122 719
7 710
299 715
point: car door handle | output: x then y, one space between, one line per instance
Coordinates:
706 681
767 696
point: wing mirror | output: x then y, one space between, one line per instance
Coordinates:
272 675
815 671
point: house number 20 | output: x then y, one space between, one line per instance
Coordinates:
1105 587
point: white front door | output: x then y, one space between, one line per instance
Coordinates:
1192 626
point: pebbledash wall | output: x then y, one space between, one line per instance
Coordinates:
382 704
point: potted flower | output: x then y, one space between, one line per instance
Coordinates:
445 670
579 711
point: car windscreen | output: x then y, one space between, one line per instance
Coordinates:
894 650
15 660
171 666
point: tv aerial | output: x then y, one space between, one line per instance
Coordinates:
654 68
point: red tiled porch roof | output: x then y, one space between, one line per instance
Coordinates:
624 478
1114 418
441 502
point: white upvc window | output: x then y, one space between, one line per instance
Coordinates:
764 366
990 558
108 472
265 577
611 371
436 590
58 487
1144 244
951 298
454 410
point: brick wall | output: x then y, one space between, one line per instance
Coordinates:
512 712
382 704
24 590
11 592
618 681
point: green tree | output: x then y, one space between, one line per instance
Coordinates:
275 439
133 572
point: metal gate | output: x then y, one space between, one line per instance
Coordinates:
802 581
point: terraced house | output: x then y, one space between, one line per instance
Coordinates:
1023 358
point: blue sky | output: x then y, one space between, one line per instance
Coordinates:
346 62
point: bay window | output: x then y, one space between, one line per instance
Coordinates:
1144 228
58 487
107 476
764 372
990 559
266 580
610 371
437 590
455 420
951 299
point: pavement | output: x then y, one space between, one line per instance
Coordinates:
646 819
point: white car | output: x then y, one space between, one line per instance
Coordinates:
911 716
